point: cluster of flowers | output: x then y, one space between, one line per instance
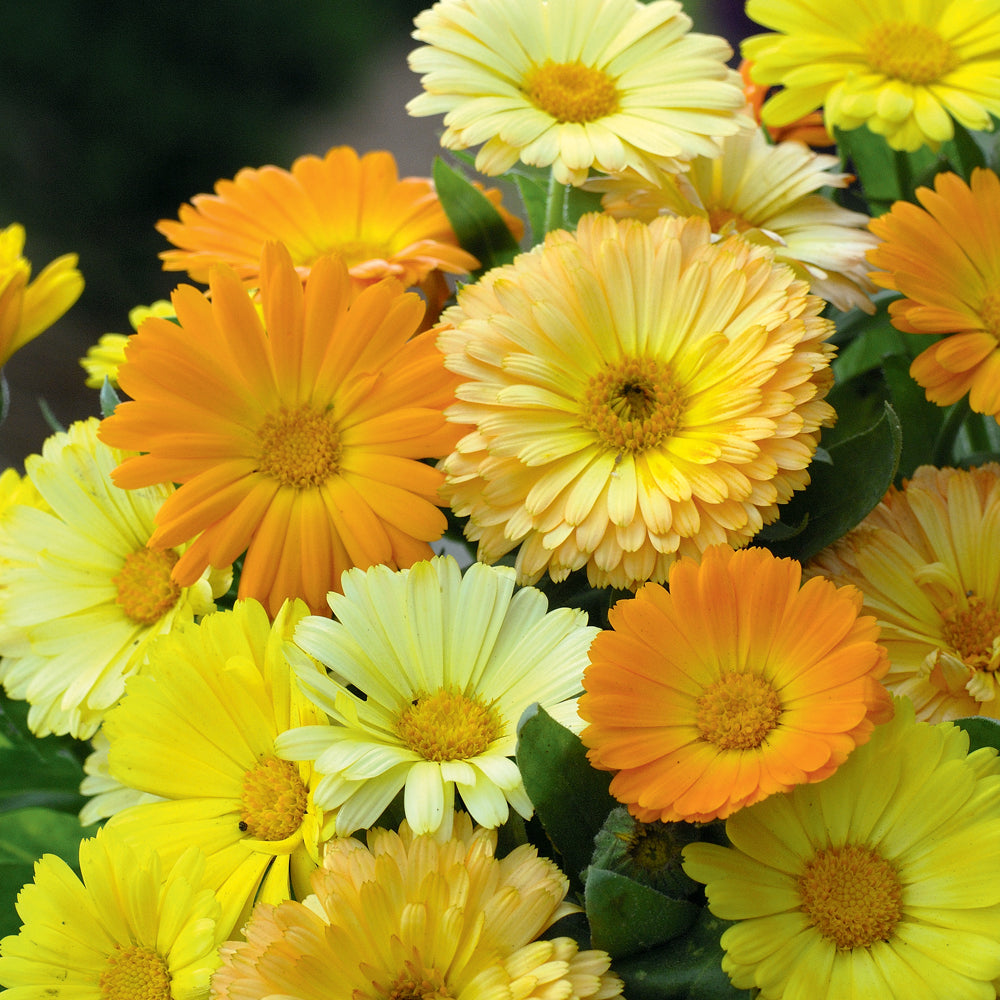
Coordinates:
307 732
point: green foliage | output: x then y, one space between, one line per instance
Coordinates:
547 203
983 732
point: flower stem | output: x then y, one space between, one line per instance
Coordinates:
555 205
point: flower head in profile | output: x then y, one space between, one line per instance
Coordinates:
295 431
942 255
476 934
108 355
81 592
926 562
198 730
768 194
865 884
574 84
131 926
637 392
27 308
907 70
431 672
736 684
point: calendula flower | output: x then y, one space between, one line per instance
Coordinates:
296 437
106 795
768 194
637 392
809 129
108 355
81 592
864 885
943 257
27 308
198 729
133 926
476 934
574 84
907 70
925 561
734 685
431 674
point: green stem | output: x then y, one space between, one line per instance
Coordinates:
944 447
555 200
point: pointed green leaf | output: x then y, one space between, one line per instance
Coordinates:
983 732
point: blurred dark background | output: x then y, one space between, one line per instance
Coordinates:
114 113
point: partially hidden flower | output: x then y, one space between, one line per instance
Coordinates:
926 562
736 684
769 194
431 672
295 431
942 255
476 936
198 730
28 308
637 392
129 926
82 593
908 70
864 885
635 89
808 129
108 355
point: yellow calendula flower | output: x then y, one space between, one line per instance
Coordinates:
108 355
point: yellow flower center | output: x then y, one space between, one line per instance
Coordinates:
571 92
722 220
633 405
354 252
448 725
135 973
274 800
738 711
970 632
912 53
852 895
145 590
413 984
300 447
989 312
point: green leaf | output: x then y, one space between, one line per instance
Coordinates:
48 776
548 204
626 917
886 175
983 732
109 398
921 419
571 798
478 225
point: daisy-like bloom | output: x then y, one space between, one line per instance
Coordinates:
736 684
81 592
418 916
108 355
925 560
133 927
768 194
808 129
864 885
905 69
105 795
296 435
27 308
637 392
445 666
944 258
198 729
575 84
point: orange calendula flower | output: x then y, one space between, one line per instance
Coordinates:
944 258
295 432
734 685
27 308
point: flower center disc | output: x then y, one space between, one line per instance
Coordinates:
135 973
415 984
299 448
448 725
852 895
145 590
738 711
571 92
274 800
971 633
989 312
912 53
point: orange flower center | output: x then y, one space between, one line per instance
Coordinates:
722 219
274 800
355 252
738 711
633 405
989 312
448 725
970 632
852 895
571 92
414 984
135 973
300 447
912 53
145 590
